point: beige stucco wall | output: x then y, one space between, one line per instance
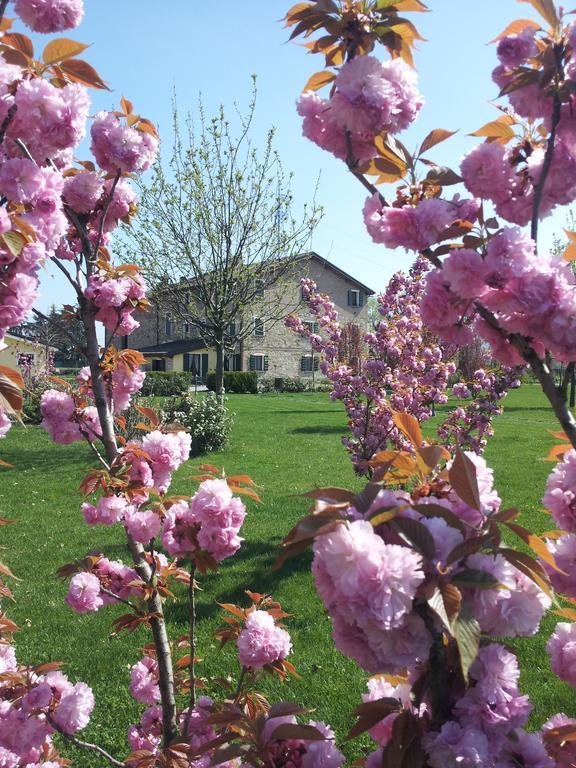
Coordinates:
9 356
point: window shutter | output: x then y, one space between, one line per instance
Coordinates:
265 362
350 299
360 298
315 327
186 361
252 362
316 361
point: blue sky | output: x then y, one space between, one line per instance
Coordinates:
143 49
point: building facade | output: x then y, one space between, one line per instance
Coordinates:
268 348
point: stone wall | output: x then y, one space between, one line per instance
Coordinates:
283 348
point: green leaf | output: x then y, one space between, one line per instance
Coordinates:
416 534
467 635
14 242
473 578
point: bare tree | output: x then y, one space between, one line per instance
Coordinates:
216 234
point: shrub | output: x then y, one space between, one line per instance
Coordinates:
238 382
159 383
205 417
284 384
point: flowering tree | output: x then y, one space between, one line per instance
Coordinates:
413 571
406 368
416 580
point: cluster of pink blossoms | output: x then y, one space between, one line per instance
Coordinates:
119 149
116 299
289 753
67 418
471 426
32 709
164 453
508 175
261 642
50 15
121 385
372 583
405 369
403 225
370 98
65 421
108 581
211 521
533 295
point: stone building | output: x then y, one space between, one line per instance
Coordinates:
169 344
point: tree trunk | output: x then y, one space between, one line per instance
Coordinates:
157 623
573 388
219 384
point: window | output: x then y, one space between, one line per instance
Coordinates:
355 298
311 327
168 326
308 363
304 296
259 287
187 328
258 362
258 327
231 330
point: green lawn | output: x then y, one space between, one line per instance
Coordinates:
288 444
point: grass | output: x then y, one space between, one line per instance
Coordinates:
288 444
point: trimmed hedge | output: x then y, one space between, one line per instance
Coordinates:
161 383
238 382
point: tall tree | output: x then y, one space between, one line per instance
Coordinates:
216 232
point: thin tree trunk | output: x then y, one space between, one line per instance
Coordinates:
219 384
157 623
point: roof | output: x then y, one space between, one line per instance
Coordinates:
22 339
174 347
189 281
328 264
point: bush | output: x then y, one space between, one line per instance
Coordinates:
205 417
286 384
238 382
159 383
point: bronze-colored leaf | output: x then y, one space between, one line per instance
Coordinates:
61 49
546 9
515 27
19 42
535 543
462 475
408 425
319 80
80 71
435 137
497 130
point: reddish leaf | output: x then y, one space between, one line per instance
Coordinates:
535 543
462 476
515 27
80 71
435 137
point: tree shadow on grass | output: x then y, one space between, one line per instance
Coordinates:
320 429
310 410
526 408
262 578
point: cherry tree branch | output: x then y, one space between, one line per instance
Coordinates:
556 115
85 744
540 369
192 640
